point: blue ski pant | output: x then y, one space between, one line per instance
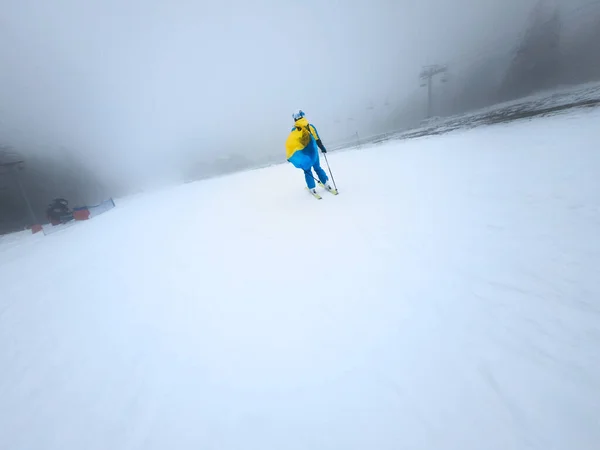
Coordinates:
310 181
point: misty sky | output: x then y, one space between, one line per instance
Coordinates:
137 86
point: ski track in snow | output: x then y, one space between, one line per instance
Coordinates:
448 298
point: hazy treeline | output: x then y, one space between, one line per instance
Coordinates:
43 178
555 49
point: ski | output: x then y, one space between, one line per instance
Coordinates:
314 193
332 190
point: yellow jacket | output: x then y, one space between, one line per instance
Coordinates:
300 137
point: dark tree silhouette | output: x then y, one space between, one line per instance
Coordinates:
537 60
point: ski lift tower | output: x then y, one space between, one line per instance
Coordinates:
426 76
12 168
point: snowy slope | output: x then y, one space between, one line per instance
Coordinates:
546 102
448 298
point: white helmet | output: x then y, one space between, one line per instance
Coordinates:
299 114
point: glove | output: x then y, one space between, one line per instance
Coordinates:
321 146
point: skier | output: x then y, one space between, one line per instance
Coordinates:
301 151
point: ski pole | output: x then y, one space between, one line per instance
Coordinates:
330 173
314 178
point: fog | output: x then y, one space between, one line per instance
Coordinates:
142 92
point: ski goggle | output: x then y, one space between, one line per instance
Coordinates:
298 115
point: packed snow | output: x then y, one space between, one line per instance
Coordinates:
448 298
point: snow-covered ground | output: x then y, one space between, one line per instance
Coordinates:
448 298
